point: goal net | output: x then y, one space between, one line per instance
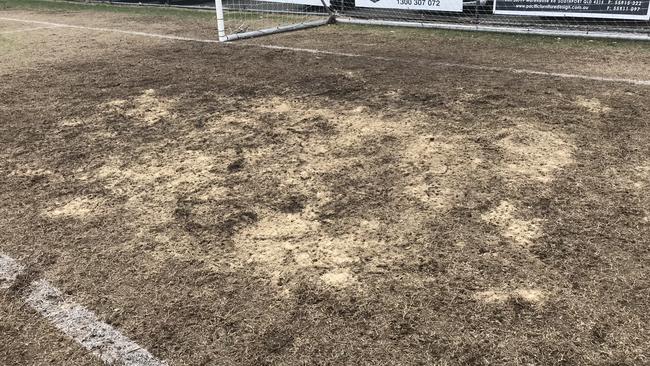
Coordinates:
238 19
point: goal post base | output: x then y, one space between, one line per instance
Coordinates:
281 29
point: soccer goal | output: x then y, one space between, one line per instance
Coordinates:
238 19
624 19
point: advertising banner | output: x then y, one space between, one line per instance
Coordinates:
607 9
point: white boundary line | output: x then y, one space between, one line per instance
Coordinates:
77 322
344 54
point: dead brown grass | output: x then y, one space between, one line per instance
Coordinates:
329 211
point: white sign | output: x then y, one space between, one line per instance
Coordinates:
606 9
302 2
430 5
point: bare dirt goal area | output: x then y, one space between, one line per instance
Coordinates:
241 205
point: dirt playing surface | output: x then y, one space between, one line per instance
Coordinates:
240 205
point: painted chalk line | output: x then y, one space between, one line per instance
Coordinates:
77 322
344 54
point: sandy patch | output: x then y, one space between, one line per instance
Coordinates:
148 108
275 105
289 245
152 189
641 176
532 296
339 278
320 146
521 232
152 184
533 154
71 122
435 165
358 144
593 105
28 172
116 105
78 208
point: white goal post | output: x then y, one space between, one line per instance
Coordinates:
254 18
623 19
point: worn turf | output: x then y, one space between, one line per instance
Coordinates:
238 205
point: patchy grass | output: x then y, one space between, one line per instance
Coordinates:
251 206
